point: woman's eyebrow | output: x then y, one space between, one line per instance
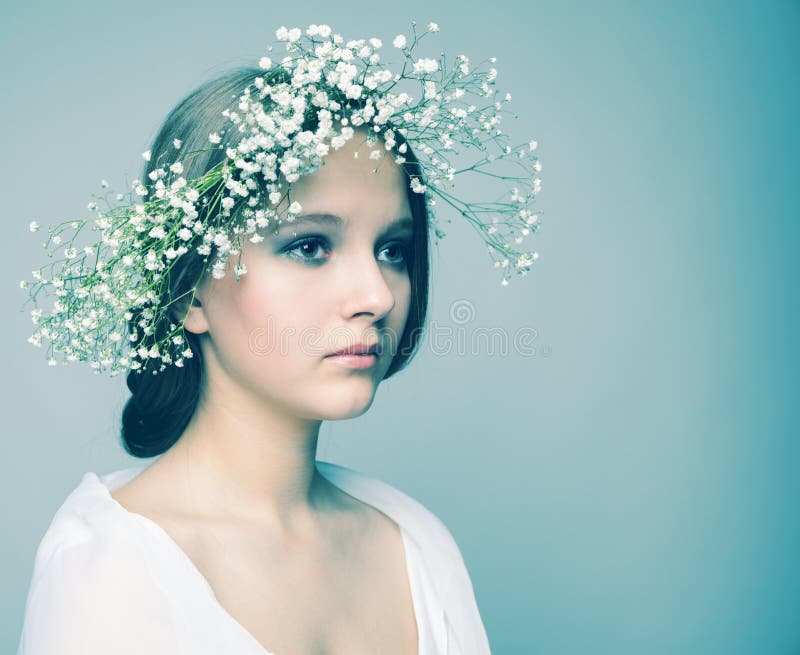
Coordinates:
402 223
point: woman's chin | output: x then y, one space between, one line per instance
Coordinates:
337 404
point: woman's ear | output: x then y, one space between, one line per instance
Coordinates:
196 320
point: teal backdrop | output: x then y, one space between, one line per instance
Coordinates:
630 485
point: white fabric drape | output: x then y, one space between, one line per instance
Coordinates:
107 580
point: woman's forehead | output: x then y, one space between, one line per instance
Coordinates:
348 186
401 222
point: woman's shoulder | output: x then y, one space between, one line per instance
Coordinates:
86 518
419 523
91 583
436 547
86 538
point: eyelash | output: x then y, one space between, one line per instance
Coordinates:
323 241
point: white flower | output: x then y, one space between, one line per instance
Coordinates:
417 186
375 43
214 138
295 207
176 143
146 155
33 226
227 202
104 184
265 63
354 91
399 41
426 66
177 167
532 146
430 90
433 27
282 34
294 34
218 270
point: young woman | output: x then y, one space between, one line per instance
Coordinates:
236 539
270 273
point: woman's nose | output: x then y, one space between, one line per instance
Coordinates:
366 287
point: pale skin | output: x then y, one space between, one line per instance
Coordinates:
302 566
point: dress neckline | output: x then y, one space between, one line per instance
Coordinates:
334 473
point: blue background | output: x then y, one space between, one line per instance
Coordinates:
630 488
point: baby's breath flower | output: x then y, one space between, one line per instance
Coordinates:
444 117
426 66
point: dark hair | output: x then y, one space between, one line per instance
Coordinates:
161 405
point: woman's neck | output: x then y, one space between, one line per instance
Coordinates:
240 458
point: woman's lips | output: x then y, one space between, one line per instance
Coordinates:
354 361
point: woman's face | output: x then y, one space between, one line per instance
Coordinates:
314 287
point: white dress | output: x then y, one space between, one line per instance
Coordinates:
106 580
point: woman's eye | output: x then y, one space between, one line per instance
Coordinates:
307 246
399 251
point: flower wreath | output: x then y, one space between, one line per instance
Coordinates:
288 121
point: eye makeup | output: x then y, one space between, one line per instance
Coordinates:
313 243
